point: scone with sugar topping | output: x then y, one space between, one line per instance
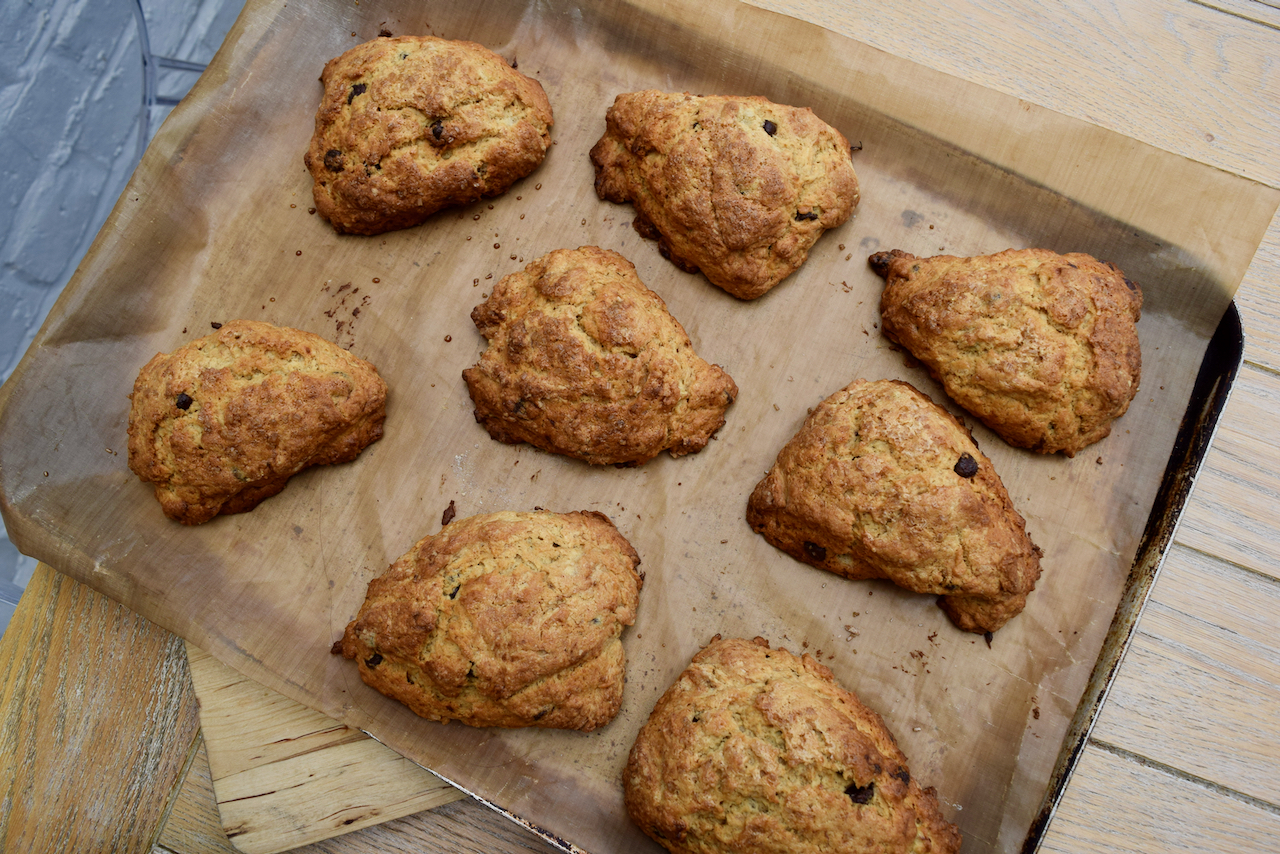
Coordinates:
881 482
739 188
586 361
504 619
224 421
409 125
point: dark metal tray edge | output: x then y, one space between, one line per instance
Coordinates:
1209 396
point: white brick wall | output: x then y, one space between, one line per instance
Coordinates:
72 123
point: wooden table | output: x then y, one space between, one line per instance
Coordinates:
100 740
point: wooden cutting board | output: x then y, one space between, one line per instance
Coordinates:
285 775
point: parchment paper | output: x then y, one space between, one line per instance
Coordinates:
216 225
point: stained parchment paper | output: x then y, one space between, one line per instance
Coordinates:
216 225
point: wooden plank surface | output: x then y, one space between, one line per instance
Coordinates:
1184 757
97 722
284 775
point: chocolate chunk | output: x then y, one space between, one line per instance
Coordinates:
357 89
437 129
815 551
966 466
987 637
770 128
904 775
803 215
333 160
216 325
336 649
449 512
861 794
184 401
373 660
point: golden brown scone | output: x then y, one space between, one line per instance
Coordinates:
737 187
412 124
756 750
505 619
1040 347
224 421
881 482
584 360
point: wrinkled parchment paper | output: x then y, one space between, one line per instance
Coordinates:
216 225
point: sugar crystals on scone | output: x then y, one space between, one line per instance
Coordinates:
881 482
586 361
224 421
411 124
753 749
503 619
1040 347
738 187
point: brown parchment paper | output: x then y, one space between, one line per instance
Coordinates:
215 225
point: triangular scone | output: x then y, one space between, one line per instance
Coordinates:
1040 347
754 749
737 187
504 619
224 421
586 361
408 125
881 482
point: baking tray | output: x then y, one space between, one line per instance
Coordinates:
215 225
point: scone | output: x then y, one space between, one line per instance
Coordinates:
756 750
505 619
1040 347
737 187
881 482
412 124
586 361
224 421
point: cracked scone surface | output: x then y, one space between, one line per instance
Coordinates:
413 124
881 482
739 188
586 361
224 421
755 750
504 619
1041 347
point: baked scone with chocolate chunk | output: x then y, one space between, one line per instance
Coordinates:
586 361
754 749
1040 347
412 124
224 421
737 187
504 619
881 482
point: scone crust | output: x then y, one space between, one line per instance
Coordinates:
262 402
719 191
412 124
871 486
753 749
504 619
1040 347
586 361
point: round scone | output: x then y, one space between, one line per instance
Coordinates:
1040 347
755 750
412 124
506 619
586 361
738 187
224 421
881 482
